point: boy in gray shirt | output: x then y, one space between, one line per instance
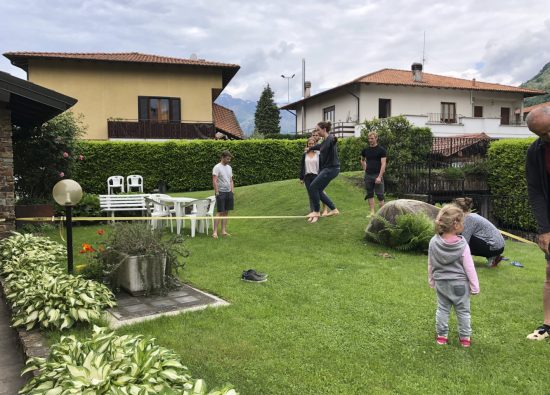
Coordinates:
222 179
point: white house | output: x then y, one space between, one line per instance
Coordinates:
449 106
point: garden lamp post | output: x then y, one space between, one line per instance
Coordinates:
68 193
288 85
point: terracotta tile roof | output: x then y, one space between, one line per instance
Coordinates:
134 57
448 146
21 60
226 122
531 108
404 78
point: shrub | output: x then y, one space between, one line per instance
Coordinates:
404 142
108 363
18 244
410 232
38 155
87 207
506 162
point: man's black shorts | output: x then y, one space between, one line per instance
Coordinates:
224 201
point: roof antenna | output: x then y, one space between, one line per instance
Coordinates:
424 50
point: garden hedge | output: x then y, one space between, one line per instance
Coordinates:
187 165
508 185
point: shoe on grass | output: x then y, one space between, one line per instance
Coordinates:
255 272
252 277
441 340
465 342
541 333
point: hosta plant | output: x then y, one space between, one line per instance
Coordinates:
19 243
410 232
30 259
50 298
108 363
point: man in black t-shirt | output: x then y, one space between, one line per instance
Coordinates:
373 162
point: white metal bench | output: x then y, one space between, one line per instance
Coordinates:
113 203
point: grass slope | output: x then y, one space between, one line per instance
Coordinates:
335 318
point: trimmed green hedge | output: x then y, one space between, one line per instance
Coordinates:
187 165
506 160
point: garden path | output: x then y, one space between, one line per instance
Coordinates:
11 355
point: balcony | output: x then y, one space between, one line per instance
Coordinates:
150 130
339 129
447 119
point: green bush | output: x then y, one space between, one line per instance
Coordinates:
506 163
404 142
38 156
410 232
187 165
108 363
87 207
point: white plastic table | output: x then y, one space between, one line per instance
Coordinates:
179 204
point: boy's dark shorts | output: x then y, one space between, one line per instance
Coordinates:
224 201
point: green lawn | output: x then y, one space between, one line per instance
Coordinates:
335 318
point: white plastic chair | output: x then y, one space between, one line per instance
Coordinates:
210 212
158 209
201 210
115 182
134 181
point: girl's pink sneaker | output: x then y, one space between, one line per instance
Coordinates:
441 340
465 343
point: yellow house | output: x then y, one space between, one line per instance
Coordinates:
137 96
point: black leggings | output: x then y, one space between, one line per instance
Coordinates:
479 247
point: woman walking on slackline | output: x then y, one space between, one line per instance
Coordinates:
329 168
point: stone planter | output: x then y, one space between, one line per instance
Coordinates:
31 211
141 274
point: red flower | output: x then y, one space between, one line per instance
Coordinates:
81 157
61 174
100 232
65 154
86 248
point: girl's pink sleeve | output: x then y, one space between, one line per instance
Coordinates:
470 270
430 274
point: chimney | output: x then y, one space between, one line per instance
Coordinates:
307 89
416 69
473 81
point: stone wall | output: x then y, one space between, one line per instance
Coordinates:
7 191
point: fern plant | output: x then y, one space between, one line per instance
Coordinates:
411 232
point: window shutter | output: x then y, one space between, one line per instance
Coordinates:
175 109
142 108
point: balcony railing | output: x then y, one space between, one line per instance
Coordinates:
339 129
134 129
512 122
436 117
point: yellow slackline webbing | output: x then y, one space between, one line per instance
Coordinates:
517 238
54 219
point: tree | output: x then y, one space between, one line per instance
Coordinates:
267 117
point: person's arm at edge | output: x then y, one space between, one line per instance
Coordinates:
470 270
382 167
431 280
215 184
539 205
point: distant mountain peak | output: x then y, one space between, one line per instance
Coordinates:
539 81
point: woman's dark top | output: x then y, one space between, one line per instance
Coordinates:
329 152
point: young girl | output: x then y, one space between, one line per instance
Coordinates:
452 273
309 170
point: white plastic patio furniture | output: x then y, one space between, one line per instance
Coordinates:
134 181
159 209
115 182
201 207
210 212
180 204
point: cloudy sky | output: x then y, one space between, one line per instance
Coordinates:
503 41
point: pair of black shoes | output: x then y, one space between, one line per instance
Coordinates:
252 275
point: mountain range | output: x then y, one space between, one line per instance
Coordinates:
244 111
539 81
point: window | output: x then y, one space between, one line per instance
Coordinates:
159 109
384 108
505 115
329 114
448 112
478 111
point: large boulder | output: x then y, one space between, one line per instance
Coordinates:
395 208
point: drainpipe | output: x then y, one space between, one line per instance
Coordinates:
358 101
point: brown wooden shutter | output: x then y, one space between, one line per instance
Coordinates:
143 112
175 110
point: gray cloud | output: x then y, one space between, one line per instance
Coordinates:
498 41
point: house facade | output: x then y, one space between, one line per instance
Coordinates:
449 106
135 96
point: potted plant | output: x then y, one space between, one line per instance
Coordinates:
139 260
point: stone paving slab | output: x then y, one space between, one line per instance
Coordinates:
132 309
